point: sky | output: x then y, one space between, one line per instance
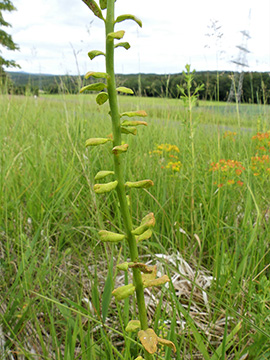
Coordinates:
55 36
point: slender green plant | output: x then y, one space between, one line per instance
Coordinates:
143 276
190 100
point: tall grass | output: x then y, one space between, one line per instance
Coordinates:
53 273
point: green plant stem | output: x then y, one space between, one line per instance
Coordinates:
192 207
118 167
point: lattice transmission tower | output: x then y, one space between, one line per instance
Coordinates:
241 62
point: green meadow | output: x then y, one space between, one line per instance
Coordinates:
211 237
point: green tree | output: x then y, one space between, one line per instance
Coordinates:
6 39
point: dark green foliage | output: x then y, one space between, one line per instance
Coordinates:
256 88
6 42
6 39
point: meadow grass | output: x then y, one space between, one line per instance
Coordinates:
55 277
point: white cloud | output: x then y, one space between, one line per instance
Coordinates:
173 34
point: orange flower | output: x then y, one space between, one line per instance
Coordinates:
238 172
228 170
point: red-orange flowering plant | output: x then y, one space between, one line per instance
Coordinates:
230 172
262 142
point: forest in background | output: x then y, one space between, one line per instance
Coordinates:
256 85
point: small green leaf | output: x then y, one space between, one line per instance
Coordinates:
130 130
95 74
94 87
93 6
128 17
120 149
141 113
102 98
125 45
133 325
139 358
109 236
140 184
103 188
96 141
125 90
116 35
124 291
133 123
103 4
93 53
103 173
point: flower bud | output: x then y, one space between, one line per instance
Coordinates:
96 141
141 113
123 266
166 343
103 173
130 130
94 87
96 75
103 4
116 35
149 340
125 45
144 236
124 291
93 53
102 98
141 266
103 188
147 222
109 236
133 325
156 282
128 17
120 149
94 7
140 184
133 123
125 90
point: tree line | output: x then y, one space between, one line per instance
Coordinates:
256 85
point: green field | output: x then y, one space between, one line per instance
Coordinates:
212 233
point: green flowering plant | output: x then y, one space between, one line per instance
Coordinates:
143 276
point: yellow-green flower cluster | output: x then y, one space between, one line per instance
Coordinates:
174 165
168 157
230 135
168 148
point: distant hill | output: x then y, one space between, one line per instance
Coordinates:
40 81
